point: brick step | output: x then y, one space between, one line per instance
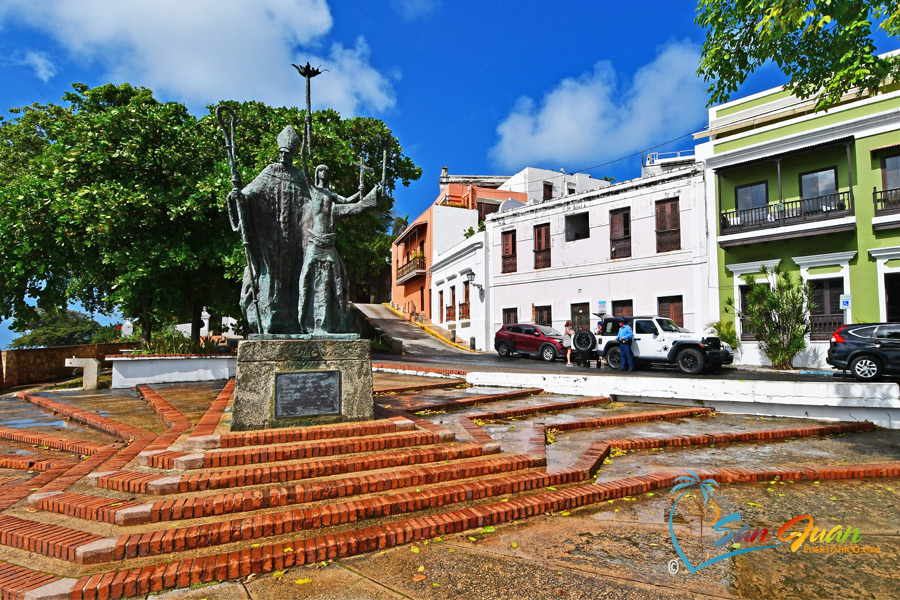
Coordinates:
81 506
206 426
280 523
41 538
30 463
296 451
308 434
16 581
5 480
419 387
744 436
51 441
654 415
536 409
313 491
273 557
129 481
171 416
398 402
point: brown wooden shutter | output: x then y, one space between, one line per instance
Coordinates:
616 225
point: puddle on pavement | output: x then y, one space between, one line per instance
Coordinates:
429 397
24 415
124 406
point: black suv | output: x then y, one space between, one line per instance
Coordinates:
867 350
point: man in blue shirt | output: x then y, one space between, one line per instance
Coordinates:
625 337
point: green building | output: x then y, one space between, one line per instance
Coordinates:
817 193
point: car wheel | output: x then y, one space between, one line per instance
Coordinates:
614 358
690 361
584 341
548 353
866 368
504 350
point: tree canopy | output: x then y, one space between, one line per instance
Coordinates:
825 47
66 328
117 200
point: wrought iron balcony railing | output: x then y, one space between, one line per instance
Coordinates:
620 248
542 258
509 264
886 201
792 212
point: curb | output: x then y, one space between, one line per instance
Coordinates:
430 331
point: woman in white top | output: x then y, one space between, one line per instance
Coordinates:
567 342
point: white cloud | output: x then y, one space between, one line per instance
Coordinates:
585 120
44 69
202 51
414 9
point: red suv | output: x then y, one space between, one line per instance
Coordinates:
529 339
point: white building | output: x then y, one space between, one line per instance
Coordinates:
460 278
542 184
636 247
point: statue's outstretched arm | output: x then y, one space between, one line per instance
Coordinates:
369 201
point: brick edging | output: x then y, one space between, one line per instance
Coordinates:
210 419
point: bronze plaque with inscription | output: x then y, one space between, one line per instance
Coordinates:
307 393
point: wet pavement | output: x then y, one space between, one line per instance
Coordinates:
123 405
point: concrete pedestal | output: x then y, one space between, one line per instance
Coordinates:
318 381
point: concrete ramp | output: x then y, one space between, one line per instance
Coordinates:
415 339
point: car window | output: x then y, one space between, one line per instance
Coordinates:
864 332
888 332
645 327
514 329
611 328
549 331
668 325
528 330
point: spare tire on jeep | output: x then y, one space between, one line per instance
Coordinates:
584 340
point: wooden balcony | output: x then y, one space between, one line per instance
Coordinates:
542 258
509 263
463 311
822 326
620 248
667 241
450 313
887 202
414 268
792 212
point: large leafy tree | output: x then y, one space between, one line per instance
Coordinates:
116 200
105 208
825 47
48 329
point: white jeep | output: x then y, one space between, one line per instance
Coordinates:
657 340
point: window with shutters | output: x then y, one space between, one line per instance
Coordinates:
548 190
542 246
508 258
673 308
510 316
668 226
825 314
622 308
441 306
485 209
543 315
620 233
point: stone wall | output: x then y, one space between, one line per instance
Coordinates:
20 367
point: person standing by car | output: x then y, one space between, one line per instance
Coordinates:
625 337
567 342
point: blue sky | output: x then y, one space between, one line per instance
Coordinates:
481 87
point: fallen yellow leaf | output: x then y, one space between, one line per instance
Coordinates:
421 569
302 581
415 550
513 544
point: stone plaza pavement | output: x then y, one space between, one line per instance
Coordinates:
452 492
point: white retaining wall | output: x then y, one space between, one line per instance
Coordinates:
135 370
